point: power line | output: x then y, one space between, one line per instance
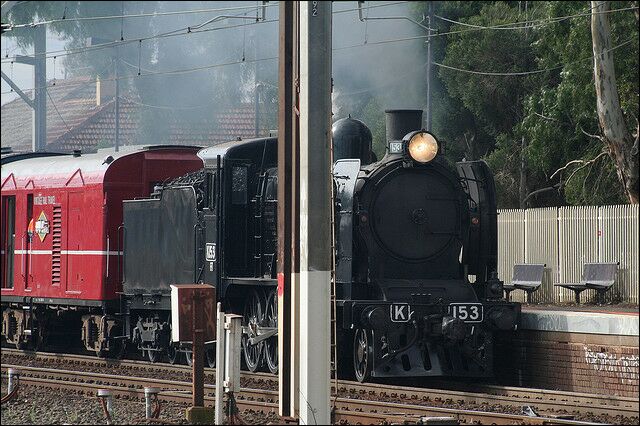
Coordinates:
56 108
171 72
523 73
117 43
166 106
178 32
136 15
525 24
211 66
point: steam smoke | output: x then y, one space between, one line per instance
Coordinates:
367 75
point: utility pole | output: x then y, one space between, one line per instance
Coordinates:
117 100
39 63
40 78
429 60
287 120
257 86
315 212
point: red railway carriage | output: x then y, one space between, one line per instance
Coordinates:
61 217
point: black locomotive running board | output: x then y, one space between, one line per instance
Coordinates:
251 281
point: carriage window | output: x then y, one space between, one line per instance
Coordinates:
8 239
239 185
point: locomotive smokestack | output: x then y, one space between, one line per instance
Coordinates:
402 121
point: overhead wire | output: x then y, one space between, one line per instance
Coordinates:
56 108
135 15
173 33
524 73
237 62
177 32
170 72
486 73
531 23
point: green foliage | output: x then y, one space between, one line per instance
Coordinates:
483 116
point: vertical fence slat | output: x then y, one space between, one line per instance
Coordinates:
542 247
510 245
565 239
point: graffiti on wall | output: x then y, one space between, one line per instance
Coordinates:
624 367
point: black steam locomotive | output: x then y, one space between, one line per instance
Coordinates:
411 231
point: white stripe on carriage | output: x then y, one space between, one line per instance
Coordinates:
78 252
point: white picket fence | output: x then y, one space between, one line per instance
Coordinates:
565 238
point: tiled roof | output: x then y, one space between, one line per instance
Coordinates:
87 126
75 102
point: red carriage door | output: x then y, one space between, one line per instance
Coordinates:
8 239
26 250
74 234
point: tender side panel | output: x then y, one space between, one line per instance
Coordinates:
159 242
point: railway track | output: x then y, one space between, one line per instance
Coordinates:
264 400
548 403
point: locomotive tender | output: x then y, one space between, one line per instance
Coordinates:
411 230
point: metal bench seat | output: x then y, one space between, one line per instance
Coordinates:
527 277
595 276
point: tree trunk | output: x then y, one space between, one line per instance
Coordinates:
623 149
523 188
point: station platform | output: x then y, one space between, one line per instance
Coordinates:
588 348
606 319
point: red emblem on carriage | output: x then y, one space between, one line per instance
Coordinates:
42 226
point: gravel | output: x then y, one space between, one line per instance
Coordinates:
41 406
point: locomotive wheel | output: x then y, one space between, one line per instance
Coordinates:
252 317
362 354
271 344
188 357
211 356
172 354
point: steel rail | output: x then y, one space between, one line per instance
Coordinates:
546 401
346 409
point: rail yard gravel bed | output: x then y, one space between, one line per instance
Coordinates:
41 406
269 383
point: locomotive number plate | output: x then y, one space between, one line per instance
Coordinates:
400 312
467 312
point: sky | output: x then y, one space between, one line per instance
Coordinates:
22 74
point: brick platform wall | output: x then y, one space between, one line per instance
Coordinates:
591 363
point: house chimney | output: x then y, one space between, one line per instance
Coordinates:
105 91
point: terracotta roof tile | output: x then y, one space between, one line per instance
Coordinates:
86 126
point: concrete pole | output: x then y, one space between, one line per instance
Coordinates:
315 212
220 362
117 101
39 133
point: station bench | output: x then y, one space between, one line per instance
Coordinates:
595 276
527 277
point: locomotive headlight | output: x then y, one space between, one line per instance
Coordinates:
423 147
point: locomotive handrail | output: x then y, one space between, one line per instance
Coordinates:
121 258
22 257
107 272
197 272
